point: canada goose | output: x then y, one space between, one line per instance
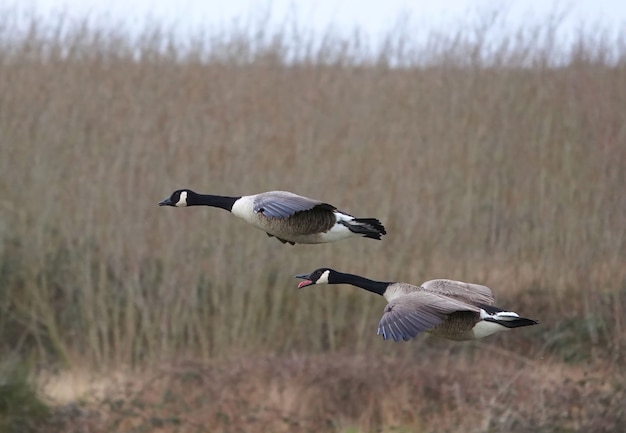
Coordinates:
288 216
449 309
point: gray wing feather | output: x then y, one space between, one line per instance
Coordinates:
467 292
282 204
408 315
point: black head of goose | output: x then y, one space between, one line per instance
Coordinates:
449 309
289 217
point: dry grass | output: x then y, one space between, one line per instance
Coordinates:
347 393
486 164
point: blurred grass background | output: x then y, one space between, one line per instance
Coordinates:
502 164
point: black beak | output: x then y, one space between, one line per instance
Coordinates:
166 202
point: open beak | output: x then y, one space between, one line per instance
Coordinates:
166 202
306 281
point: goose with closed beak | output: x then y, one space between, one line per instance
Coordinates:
449 309
289 217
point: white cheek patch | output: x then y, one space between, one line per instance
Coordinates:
182 201
323 279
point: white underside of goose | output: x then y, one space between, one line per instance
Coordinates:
244 208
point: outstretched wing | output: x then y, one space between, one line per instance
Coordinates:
408 315
283 204
465 292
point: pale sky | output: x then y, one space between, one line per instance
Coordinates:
371 17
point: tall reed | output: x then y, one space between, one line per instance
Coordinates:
487 163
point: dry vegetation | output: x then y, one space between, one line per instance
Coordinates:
503 165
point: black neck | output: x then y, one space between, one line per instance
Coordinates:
211 200
378 287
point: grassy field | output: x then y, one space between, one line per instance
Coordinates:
500 164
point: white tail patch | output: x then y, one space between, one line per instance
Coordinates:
500 315
485 328
338 231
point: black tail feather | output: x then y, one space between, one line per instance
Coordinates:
368 227
509 321
514 322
